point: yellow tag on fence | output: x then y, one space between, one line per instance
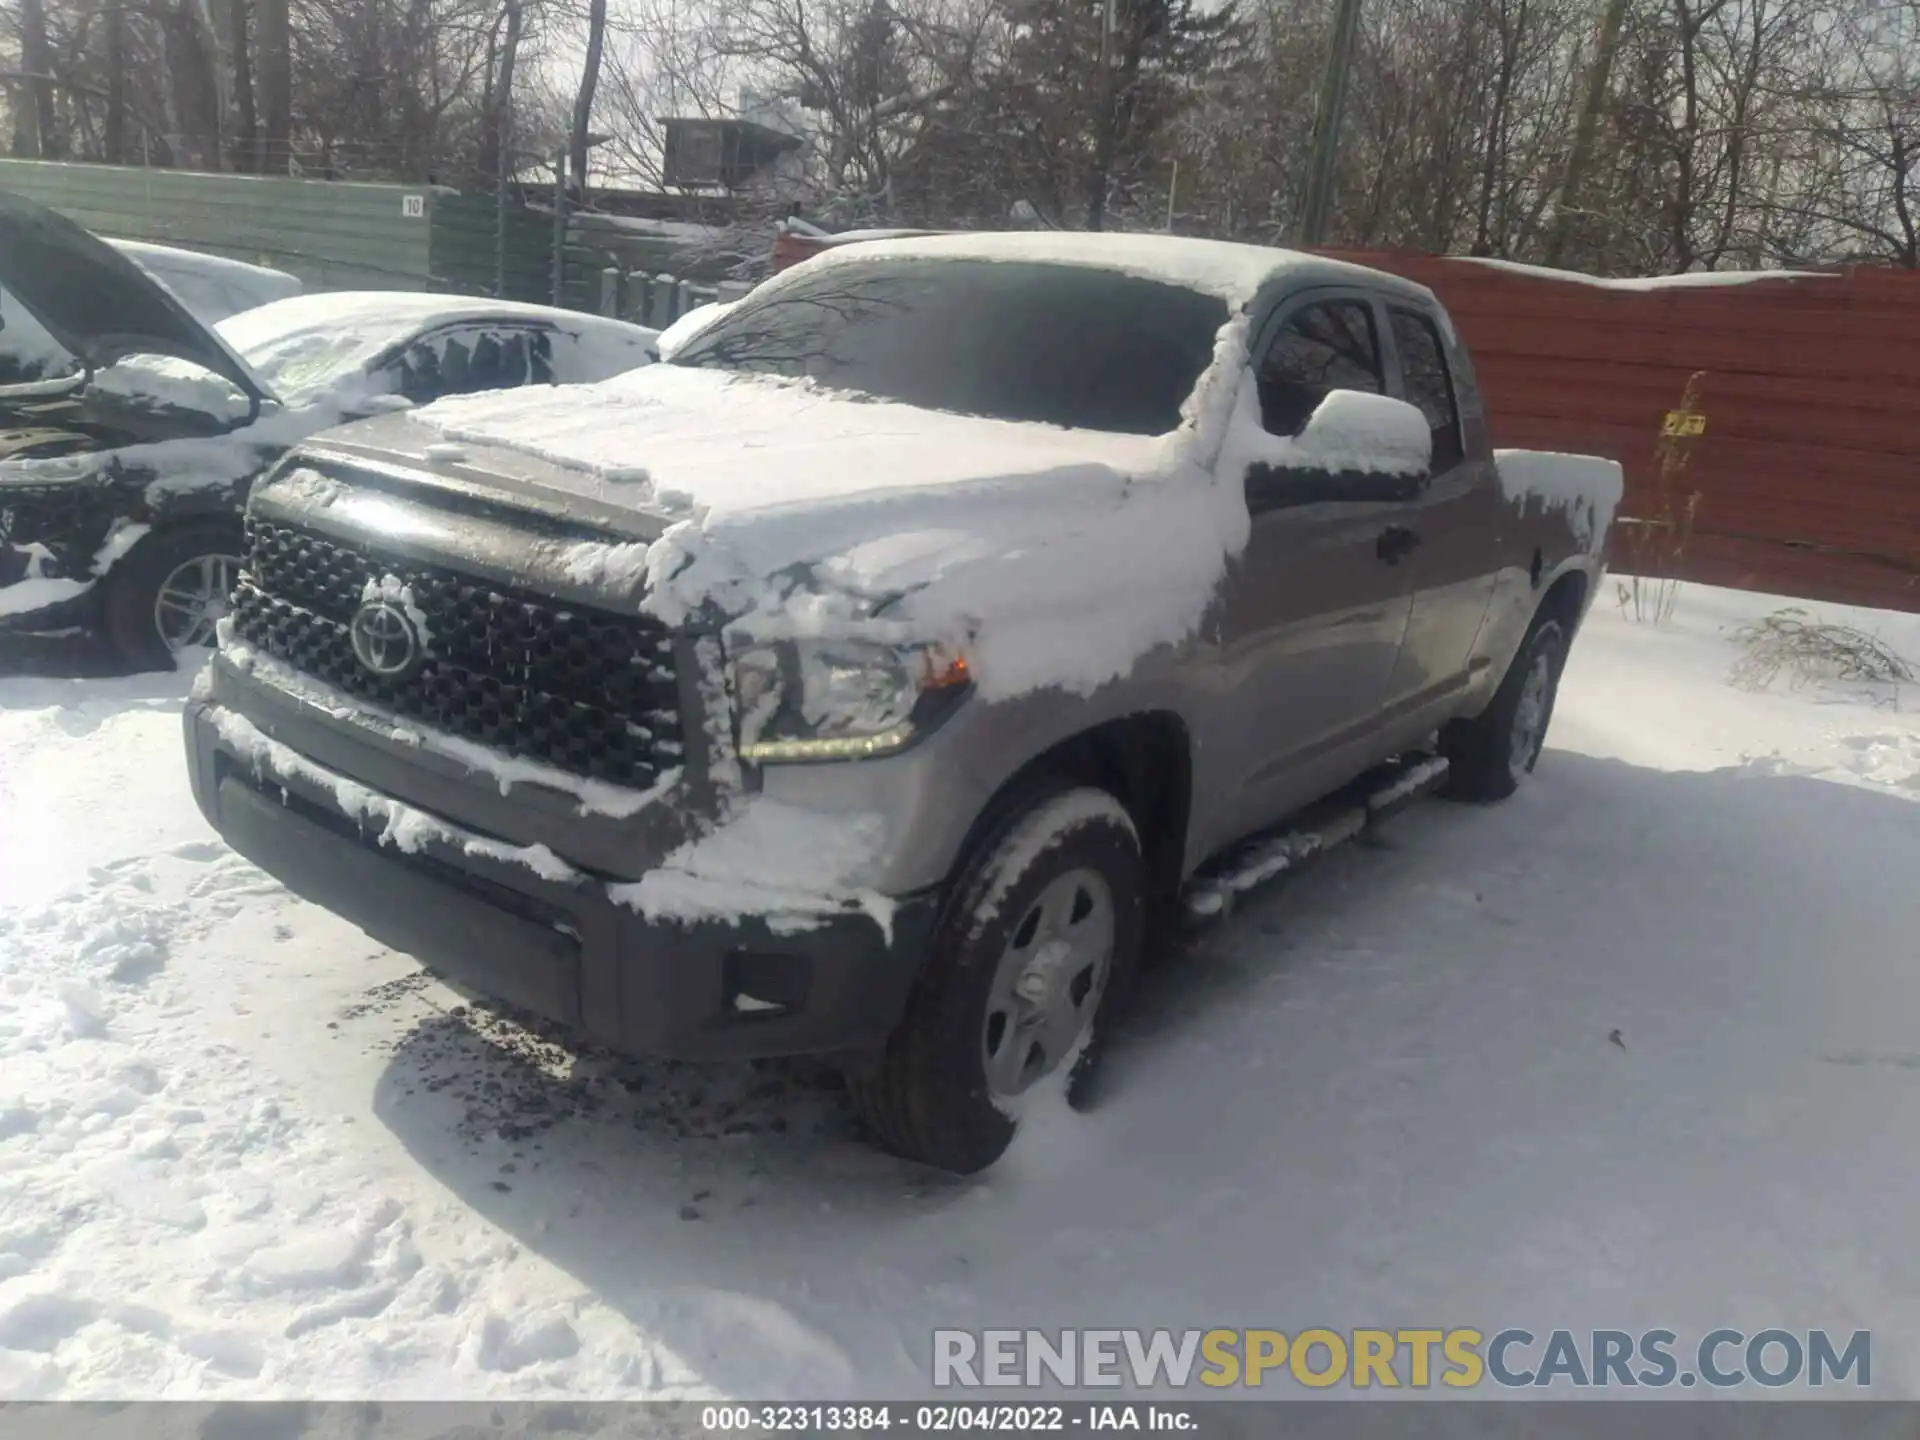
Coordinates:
1684 422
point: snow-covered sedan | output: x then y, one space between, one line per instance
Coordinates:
121 485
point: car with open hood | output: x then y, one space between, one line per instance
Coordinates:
212 287
122 482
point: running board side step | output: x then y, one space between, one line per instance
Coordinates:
1211 894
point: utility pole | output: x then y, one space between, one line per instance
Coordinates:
1326 125
559 222
503 143
1580 158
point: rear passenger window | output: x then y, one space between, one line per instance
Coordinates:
1423 365
1322 348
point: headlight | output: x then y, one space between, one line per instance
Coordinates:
841 699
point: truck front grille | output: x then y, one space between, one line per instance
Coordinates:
587 691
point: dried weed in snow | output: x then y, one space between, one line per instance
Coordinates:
1789 641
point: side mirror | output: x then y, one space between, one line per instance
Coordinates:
1353 432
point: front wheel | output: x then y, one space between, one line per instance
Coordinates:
1038 944
170 591
1489 755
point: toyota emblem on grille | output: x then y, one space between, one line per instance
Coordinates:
385 640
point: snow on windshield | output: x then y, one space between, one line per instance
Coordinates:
301 348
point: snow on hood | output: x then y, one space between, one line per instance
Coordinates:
799 511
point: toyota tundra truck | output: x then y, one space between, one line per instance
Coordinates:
870 679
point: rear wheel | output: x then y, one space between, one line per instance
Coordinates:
1038 945
171 591
1489 755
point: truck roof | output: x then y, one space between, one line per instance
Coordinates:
1233 271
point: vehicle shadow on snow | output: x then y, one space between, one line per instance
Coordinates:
1604 896
61 657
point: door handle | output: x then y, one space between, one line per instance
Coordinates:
1396 542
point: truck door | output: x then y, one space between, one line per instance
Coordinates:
1456 524
1314 609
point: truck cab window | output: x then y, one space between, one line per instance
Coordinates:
1423 365
1322 348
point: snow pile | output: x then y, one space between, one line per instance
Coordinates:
786 863
1584 488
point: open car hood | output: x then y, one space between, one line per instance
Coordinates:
98 303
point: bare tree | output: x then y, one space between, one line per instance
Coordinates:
589 82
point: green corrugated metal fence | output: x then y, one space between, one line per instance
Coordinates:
339 235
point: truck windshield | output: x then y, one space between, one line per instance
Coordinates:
1058 344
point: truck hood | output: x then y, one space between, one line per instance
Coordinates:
99 303
782 509
682 440
783 473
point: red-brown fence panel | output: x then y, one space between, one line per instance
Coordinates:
1807 474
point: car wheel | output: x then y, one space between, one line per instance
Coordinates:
1489 755
171 590
1038 945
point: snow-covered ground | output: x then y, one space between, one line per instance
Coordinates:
1639 1048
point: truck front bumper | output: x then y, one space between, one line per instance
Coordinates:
563 949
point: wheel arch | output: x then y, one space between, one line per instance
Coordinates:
1144 759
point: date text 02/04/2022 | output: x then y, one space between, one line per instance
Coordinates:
938 1419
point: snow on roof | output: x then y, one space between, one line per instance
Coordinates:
1232 271
402 311
172 257
1694 280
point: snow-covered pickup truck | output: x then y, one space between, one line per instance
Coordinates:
865 680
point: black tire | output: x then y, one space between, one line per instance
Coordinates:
1488 755
929 1099
132 588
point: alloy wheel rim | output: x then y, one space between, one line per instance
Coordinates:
193 599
